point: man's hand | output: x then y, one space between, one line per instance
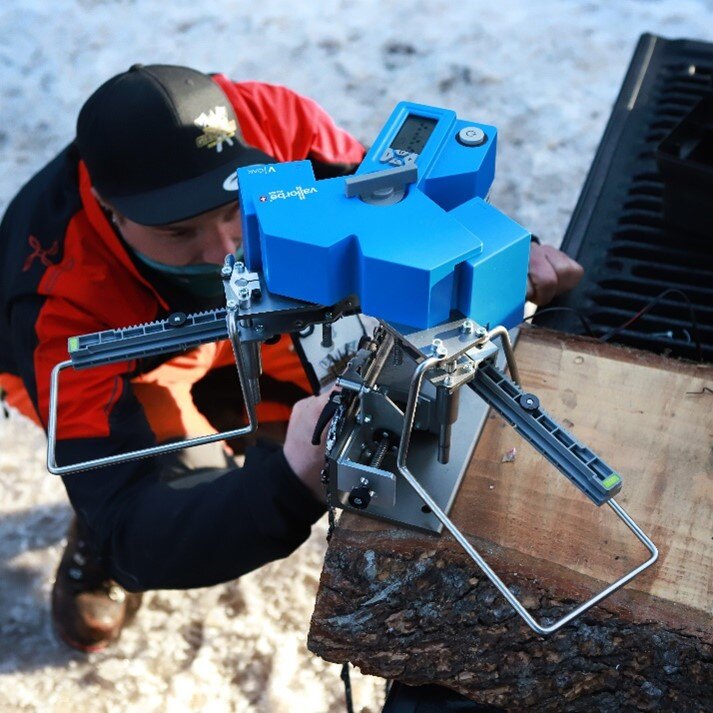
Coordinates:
305 459
550 273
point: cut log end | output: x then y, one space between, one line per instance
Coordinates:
413 607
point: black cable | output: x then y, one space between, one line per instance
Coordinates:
361 324
347 687
585 322
648 307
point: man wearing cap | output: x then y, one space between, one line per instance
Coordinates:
128 224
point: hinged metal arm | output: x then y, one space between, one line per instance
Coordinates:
247 390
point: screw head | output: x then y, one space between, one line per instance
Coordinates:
177 319
226 271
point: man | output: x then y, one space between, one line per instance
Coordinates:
128 224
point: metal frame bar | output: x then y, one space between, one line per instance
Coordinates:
55 469
536 626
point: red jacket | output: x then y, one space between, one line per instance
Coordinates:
65 272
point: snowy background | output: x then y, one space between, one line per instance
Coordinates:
545 73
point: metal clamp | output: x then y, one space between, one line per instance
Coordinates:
539 628
245 388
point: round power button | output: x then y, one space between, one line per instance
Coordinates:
472 136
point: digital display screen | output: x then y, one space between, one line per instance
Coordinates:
414 134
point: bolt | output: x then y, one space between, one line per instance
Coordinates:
367 418
468 327
448 382
232 305
328 315
244 297
481 332
259 327
240 266
438 348
226 271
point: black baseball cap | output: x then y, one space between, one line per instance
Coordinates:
162 144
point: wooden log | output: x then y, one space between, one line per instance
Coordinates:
413 607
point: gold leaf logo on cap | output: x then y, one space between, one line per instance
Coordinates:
217 129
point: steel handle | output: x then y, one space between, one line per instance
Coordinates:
539 628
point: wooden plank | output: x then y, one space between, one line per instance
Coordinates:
412 606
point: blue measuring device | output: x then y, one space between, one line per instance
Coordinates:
411 233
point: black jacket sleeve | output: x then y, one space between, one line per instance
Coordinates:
153 536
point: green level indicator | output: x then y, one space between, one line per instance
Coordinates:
73 344
611 481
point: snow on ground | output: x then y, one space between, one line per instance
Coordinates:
544 73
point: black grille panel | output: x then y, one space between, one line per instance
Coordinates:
618 231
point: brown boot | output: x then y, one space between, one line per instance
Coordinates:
89 609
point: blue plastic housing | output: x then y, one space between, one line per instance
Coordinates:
440 248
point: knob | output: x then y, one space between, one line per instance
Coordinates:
360 495
529 402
